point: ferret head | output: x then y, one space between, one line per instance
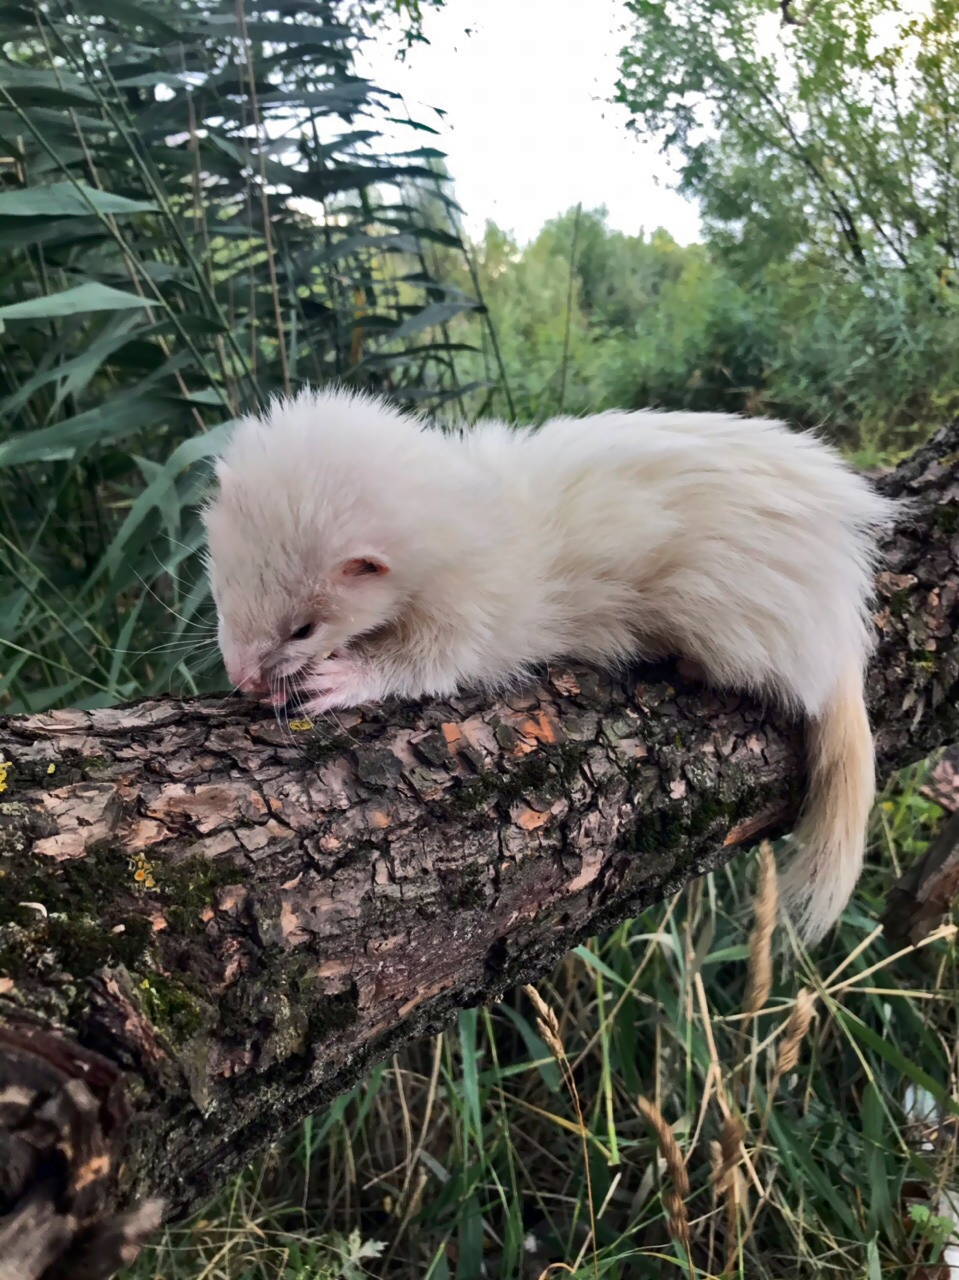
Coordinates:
304 553
282 607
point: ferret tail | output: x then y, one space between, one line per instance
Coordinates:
831 837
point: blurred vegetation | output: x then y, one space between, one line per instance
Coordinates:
589 318
197 212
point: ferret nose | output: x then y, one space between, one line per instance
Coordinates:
255 686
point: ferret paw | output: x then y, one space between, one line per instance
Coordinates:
692 671
339 682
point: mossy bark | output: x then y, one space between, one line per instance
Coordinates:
210 924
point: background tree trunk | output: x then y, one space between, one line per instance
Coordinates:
212 923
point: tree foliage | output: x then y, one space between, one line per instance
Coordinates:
629 321
588 319
832 127
821 142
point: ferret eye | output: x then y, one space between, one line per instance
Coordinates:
304 632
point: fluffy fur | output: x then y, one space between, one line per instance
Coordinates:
359 554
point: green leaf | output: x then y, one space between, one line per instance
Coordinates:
874 1266
906 1068
467 1029
332 101
150 79
592 959
121 416
75 374
436 313
157 493
128 14
16 233
67 199
295 33
880 1176
470 1264
804 1170
26 83
91 296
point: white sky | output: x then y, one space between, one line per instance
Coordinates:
529 129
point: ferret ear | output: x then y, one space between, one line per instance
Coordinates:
364 567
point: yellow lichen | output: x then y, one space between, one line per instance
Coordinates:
51 768
301 726
142 872
4 770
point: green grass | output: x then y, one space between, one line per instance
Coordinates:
463 1156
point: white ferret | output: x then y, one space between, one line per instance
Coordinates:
356 553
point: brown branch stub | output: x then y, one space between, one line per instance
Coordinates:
240 918
942 784
927 890
62 1121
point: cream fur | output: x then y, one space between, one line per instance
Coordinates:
735 542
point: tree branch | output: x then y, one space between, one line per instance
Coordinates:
211 925
790 18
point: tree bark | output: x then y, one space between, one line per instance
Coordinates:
211 924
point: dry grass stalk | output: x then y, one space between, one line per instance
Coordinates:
547 1024
796 1028
411 1195
730 1147
674 1197
716 1165
721 1098
759 977
729 1182
668 1146
715 1178
795 1033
